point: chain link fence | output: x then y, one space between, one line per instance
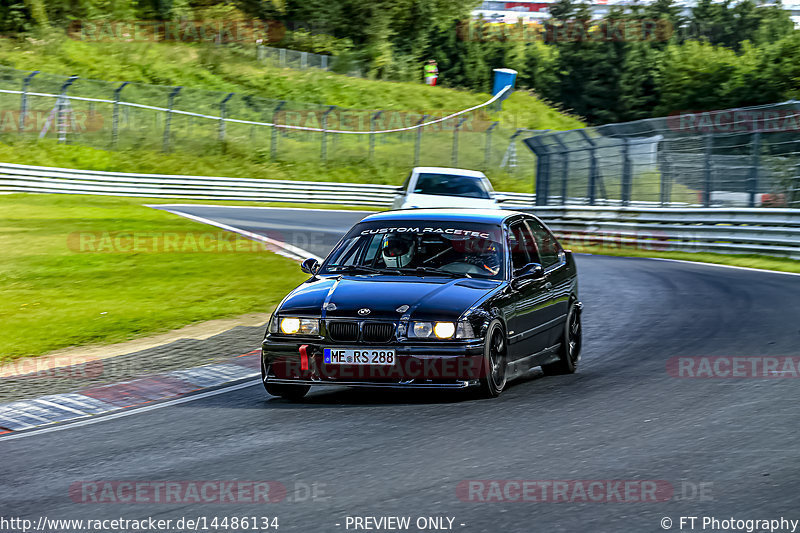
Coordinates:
746 157
131 115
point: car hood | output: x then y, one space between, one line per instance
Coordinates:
426 297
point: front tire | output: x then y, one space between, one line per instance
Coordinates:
494 361
569 353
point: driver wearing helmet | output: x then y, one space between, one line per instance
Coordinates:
487 257
398 250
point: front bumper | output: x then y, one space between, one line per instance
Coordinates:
428 365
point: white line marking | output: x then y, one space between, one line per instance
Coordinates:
293 252
132 411
59 406
751 269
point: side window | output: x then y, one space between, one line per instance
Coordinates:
522 246
548 246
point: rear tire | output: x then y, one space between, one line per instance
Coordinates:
293 393
494 361
569 353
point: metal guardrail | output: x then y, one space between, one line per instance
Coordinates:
734 230
723 230
23 178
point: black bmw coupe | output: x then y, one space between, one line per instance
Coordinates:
429 298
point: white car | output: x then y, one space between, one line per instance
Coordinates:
446 187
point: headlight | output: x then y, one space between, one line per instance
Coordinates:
442 330
300 326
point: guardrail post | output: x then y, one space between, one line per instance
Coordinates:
282 57
707 170
115 115
222 110
487 156
455 140
324 62
273 148
418 141
627 172
372 120
168 118
23 105
303 60
755 162
324 122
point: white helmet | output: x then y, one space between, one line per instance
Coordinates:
398 250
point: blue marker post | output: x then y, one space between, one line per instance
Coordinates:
502 78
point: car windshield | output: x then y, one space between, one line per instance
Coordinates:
421 248
451 185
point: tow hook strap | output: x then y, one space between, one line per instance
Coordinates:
303 357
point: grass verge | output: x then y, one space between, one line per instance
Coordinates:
57 293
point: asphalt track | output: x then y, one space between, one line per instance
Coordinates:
621 417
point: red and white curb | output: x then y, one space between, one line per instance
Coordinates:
58 408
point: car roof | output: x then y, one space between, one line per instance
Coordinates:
445 214
449 171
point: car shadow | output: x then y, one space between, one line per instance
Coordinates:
343 397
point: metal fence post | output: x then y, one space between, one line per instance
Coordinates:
755 162
23 106
627 172
564 153
273 149
374 118
222 109
487 156
455 140
542 166
324 147
115 115
168 118
666 181
418 141
707 170
61 105
591 193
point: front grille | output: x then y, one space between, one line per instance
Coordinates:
378 331
343 331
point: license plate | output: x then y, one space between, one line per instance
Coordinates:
365 356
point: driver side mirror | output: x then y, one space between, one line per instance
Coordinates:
310 266
530 271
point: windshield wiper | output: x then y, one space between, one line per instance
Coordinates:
421 271
365 269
